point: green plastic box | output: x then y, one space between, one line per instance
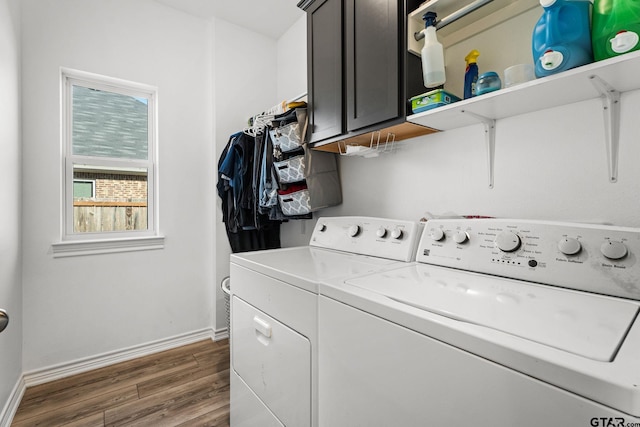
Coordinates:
433 99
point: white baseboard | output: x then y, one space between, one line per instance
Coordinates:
57 372
220 334
11 407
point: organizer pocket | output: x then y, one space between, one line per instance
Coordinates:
295 203
290 170
287 137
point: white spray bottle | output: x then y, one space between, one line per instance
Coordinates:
432 54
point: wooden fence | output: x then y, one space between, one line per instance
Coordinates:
98 216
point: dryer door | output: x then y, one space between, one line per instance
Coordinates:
274 361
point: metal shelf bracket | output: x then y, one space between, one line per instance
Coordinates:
611 109
490 138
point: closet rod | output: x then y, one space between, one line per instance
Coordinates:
280 107
452 17
298 98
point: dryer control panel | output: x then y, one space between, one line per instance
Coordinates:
594 258
379 237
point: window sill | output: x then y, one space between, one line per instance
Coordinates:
95 247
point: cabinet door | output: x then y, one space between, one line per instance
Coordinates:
324 44
372 61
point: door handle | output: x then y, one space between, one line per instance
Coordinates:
262 326
4 320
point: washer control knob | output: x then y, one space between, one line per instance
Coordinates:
508 241
381 232
460 237
569 246
613 250
353 231
437 234
397 234
322 228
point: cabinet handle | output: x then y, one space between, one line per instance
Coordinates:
262 326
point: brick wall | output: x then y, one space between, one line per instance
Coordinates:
117 187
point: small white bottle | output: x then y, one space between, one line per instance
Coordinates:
432 54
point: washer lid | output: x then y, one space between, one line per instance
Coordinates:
588 325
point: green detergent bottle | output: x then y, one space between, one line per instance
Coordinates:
615 28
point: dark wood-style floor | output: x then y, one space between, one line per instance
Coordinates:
186 386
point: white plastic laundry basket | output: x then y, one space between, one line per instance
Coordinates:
226 288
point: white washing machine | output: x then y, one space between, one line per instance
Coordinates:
499 323
274 297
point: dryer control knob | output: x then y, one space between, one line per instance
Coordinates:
397 234
437 234
353 231
569 246
508 241
381 232
613 250
460 237
322 228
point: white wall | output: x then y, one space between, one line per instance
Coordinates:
292 60
245 70
549 165
85 306
10 193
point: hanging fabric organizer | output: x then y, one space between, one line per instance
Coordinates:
267 174
308 180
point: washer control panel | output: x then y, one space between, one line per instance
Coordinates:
594 258
379 237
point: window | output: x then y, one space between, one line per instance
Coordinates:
83 189
109 143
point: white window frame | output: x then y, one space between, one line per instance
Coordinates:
72 243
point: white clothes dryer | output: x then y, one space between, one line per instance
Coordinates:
274 296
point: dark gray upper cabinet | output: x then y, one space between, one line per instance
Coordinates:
360 74
325 69
373 72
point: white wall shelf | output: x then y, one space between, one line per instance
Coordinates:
620 74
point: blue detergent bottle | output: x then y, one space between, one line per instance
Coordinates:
562 36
